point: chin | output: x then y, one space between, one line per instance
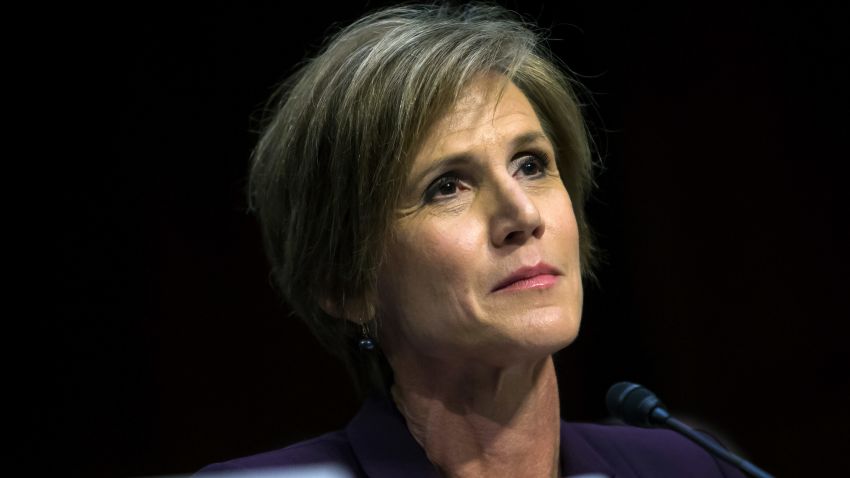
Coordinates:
538 336
553 341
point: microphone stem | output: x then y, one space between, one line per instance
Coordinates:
714 448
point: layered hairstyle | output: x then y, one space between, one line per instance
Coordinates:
339 137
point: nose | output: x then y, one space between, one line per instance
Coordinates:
515 217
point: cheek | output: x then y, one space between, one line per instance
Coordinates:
561 223
431 271
456 248
439 252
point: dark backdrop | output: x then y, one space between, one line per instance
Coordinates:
162 346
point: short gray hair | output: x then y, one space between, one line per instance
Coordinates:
340 134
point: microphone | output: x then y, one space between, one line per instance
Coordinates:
636 405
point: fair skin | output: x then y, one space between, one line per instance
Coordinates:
480 286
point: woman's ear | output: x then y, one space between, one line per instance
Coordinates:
355 310
331 307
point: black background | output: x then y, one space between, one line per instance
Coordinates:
161 346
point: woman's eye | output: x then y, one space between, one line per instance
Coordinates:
448 187
533 165
443 186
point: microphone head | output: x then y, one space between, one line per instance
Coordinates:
633 404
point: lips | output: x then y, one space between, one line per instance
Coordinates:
540 276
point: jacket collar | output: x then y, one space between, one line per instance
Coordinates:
385 448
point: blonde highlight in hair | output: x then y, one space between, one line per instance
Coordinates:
339 138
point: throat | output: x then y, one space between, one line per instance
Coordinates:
485 423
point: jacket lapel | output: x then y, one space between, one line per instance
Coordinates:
384 447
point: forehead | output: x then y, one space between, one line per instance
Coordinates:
489 111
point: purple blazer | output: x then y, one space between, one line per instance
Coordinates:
377 444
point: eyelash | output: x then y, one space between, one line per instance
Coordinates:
540 157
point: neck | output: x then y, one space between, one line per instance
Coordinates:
483 421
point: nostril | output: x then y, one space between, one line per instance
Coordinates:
514 236
538 231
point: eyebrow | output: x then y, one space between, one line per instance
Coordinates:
519 142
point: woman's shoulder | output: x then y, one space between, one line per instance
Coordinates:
644 451
330 454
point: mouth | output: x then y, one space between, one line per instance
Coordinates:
541 276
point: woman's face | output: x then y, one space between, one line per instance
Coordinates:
483 262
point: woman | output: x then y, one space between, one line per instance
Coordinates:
421 186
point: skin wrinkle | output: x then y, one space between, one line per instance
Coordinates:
470 363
